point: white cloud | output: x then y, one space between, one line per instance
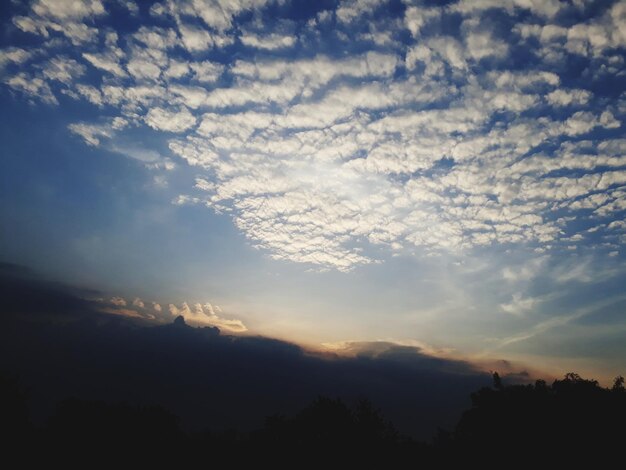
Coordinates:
30 25
450 50
350 10
105 62
280 81
91 93
562 97
63 69
519 305
177 69
13 55
156 38
198 39
524 80
416 17
191 96
544 8
268 41
546 34
118 301
320 69
151 158
130 5
64 17
583 122
339 159
91 133
195 39
78 33
206 72
482 44
205 314
525 271
170 121
68 9
143 69
217 14
34 87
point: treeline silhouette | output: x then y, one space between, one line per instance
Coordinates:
571 419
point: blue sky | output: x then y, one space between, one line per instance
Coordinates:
451 176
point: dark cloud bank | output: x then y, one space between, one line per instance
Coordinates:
62 346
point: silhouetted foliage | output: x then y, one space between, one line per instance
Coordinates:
571 419
81 429
574 417
497 381
14 420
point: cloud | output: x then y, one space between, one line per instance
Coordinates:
270 42
63 16
13 55
124 312
526 271
68 9
91 133
416 17
519 304
206 72
63 69
34 87
118 301
344 152
143 69
482 44
90 93
349 10
556 321
106 62
217 15
568 97
26 293
545 8
206 314
170 121
196 39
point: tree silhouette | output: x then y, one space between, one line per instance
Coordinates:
533 421
571 419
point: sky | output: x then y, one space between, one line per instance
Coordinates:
444 175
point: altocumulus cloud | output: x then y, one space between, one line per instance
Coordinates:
339 136
207 314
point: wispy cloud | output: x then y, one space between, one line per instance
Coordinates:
556 321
